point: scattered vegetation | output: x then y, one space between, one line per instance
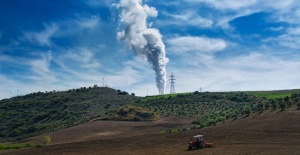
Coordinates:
130 113
6 146
36 113
180 129
47 140
41 112
212 108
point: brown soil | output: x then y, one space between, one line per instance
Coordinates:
268 133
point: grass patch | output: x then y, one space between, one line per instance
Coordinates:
169 130
273 94
148 98
6 146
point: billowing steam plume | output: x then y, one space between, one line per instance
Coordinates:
145 42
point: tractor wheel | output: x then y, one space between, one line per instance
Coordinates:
202 145
190 148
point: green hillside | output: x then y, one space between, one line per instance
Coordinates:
212 108
37 113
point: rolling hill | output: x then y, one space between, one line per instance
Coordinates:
37 113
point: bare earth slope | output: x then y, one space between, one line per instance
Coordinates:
268 133
96 130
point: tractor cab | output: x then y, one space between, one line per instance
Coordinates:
197 137
197 142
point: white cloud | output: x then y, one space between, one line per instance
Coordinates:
294 31
136 77
41 69
8 59
37 68
227 10
91 65
97 3
188 18
286 4
291 15
143 89
276 28
77 24
73 73
38 77
138 63
194 51
290 39
60 29
284 11
42 65
195 44
254 62
8 87
255 72
240 5
225 4
250 72
91 22
125 77
76 59
43 37
223 20
167 3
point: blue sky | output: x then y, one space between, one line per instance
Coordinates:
218 45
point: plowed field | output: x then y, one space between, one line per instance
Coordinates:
268 133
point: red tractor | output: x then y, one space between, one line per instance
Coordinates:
197 142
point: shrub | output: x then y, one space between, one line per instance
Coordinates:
10 146
16 145
247 112
282 106
193 127
2 146
274 106
184 129
174 131
196 92
29 144
47 140
168 130
286 98
136 118
267 106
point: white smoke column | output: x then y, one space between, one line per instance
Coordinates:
144 41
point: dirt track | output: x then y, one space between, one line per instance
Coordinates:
269 133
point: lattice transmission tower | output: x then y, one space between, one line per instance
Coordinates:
172 90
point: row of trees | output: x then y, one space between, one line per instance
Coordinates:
214 108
